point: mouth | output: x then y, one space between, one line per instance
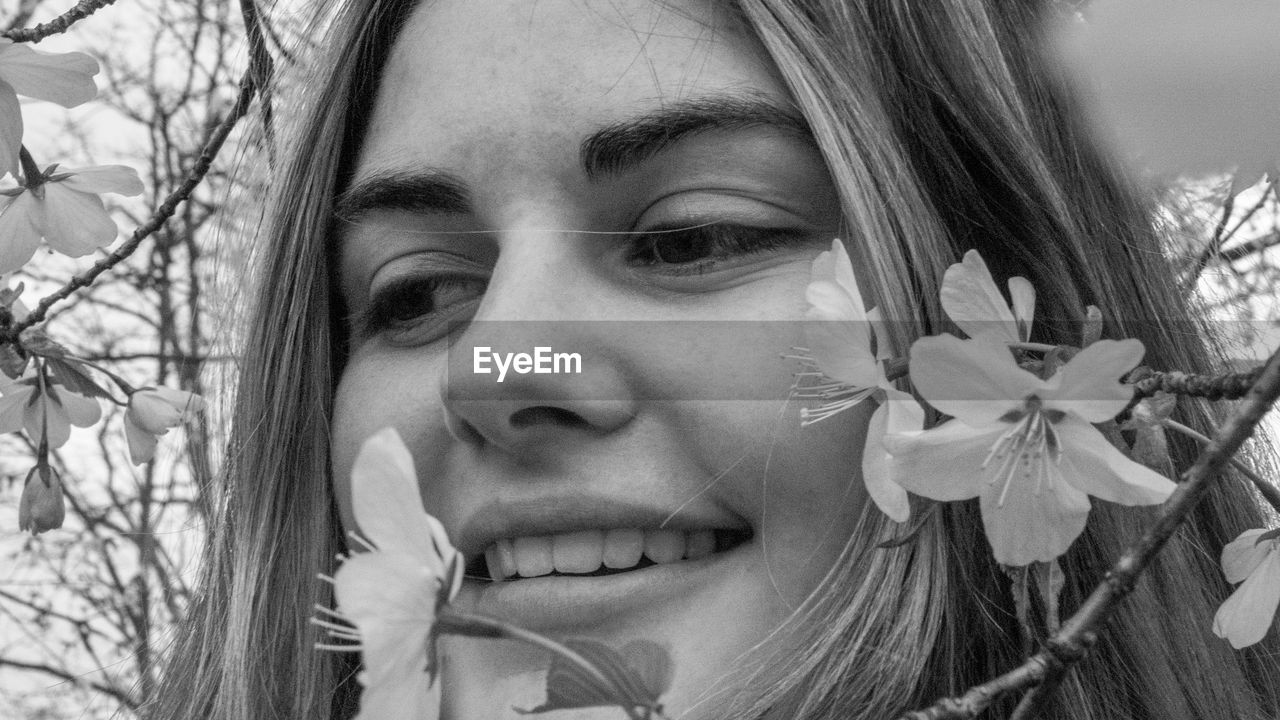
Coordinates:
598 552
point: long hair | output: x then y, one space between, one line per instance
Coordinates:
943 130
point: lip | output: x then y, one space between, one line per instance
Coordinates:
575 603
559 514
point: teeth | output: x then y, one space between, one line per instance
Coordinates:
533 556
586 551
579 552
623 548
664 546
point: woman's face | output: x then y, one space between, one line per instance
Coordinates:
627 181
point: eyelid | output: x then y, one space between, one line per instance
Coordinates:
426 262
437 268
710 206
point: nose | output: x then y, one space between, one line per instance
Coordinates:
540 363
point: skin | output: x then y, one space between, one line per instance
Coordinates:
683 418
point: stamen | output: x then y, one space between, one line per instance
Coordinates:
367 545
1029 449
338 648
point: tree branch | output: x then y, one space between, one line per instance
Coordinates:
60 24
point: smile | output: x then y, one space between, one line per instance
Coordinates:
596 553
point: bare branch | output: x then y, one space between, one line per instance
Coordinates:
60 24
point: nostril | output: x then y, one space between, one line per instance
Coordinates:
545 415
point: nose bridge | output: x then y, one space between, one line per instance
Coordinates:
536 363
530 279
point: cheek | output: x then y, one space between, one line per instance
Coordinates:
378 391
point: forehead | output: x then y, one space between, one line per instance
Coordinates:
510 79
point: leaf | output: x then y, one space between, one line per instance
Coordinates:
76 380
634 677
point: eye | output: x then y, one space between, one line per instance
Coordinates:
418 309
697 249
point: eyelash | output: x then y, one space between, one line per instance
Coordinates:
418 296
719 242
403 305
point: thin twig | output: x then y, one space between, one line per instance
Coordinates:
1047 668
158 218
60 24
1268 491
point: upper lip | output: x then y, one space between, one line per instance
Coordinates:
557 514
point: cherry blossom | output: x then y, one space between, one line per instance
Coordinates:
1025 446
840 343
1253 560
391 592
63 78
151 413
62 207
44 409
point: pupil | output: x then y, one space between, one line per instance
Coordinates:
682 248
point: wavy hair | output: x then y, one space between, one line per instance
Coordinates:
943 129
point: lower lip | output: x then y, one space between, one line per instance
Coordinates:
561 603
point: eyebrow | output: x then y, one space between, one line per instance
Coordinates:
621 146
422 191
613 149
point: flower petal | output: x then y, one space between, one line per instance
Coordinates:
839 336
13 407
1023 294
10 129
63 78
120 179
390 598
142 444
78 224
19 232
835 266
1089 384
885 493
407 697
1032 525
1248 614
974 380
842 351
47 418
387 502
1241 556
81 411
943 463
1093 465
972 301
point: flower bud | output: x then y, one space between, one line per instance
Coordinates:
41 507
151 413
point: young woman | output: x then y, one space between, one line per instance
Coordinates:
485 177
